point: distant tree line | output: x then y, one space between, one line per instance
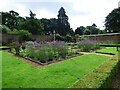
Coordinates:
13 23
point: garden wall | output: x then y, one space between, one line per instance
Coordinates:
106 37
7 37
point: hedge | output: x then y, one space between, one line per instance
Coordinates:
100 77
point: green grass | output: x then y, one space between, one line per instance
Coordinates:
0 70
101 77
4 47
109 50
17 73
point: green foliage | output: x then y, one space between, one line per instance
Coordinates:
34 26
59 37
46 52
10 19
63 26
5 29
100 77
112 21
108 50
80 30
68 38
14 21
20 32
24 32
87 32
16 46
87 45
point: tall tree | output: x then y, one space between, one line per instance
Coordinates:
112 21
32 24
32 15
63 26
80 30
93 29
10 19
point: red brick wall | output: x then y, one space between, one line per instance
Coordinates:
114 37
7 37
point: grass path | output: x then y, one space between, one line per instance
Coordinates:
17 73
96 53
108 50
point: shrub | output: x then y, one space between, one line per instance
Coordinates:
60 48
20 32
45 52
87 45
4 29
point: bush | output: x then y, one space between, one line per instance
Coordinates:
87 45
4 29
20 32
45 52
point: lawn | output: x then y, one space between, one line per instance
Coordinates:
4 47
109 50
0 70
19 74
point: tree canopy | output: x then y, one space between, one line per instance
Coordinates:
112 21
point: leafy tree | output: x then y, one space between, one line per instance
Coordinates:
87 32
68 38
32 24
32 15
112 21
10 19
5 29
63 26
59 37
80 30
93 29
102 31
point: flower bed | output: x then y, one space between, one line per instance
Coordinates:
88 45
46 52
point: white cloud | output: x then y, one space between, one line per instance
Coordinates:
88 11
43 13
96 10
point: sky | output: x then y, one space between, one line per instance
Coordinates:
80 12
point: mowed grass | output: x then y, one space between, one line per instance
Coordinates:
109 50
0 70
3 46
19 74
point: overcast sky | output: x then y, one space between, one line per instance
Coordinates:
80 12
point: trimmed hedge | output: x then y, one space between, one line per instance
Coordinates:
100 77
110 45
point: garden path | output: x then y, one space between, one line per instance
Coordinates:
96 53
